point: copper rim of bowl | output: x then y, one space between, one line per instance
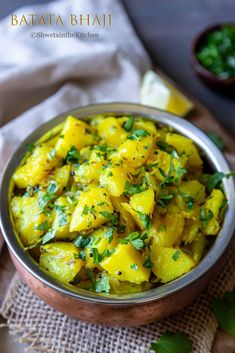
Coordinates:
201 70
213 155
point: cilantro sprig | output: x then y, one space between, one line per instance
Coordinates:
172 343
135 239
224 311
129 123
73 155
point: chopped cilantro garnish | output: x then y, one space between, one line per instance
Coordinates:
48 236
148 263
43 226
205 214
50 195
109 234
216 179
164 146
134 267
176 255
164 200
131 189
138 135
216 139
102 285
72 156
81 242
51 154
129 123
85 210
134 239
224 310
82 255
109 174
145 218
96 256
30 147
112 217
172 343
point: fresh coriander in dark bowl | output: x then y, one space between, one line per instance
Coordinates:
213 55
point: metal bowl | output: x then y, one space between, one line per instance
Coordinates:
124 309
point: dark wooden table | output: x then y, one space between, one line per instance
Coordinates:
167 29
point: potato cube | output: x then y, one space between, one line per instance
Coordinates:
141 206
135 152
61 260
126 264
93 209
37 167
28 218
102 239
110 130
63 214
169 263
75 133
114 180
184 144
213 203
167 229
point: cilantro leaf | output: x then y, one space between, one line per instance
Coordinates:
145 218
148 263
81 242
129 123
172 343
43 226
134 267
85 210
216 139
48 236
30 147
164 146
102 285
176 255
224 310
164 200
72 156
96 256
205 214
216 179
134 239
138 135
131 189
113 218
109 234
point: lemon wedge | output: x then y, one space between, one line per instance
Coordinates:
159 93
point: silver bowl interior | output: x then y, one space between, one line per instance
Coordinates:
212 154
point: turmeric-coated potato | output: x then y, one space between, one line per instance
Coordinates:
126 264
37 167
170 263
61 260
75 133
93 209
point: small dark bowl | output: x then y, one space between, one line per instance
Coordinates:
206 76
